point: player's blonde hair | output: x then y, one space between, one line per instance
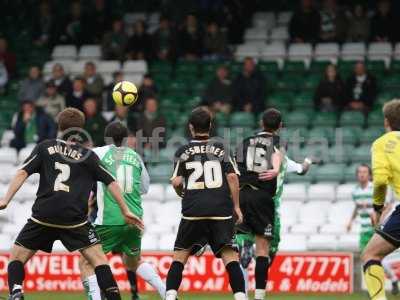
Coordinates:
70 118
391 111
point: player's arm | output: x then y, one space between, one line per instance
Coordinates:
276 161
176 178
145 179
352 218
31 165
381 174
232 177
298 168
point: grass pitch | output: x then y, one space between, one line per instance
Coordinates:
183 296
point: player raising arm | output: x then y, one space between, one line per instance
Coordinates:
386 171
68 172
207 175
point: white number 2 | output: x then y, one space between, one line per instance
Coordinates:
212 175
65 172
256 160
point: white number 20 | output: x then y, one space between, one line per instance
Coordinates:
212 175
65 172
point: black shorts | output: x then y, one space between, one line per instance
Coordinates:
35 236
258 210
193 235
390 229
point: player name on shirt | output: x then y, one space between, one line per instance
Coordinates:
203 149
65 150
259 140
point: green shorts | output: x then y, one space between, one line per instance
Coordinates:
364 239
120 238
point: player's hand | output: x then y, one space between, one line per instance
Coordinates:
3 204
239 215
132 219
268 175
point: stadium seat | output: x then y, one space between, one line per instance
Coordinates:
300 52
307 229
108 66
322 192
294 192
135 78
8 155
326 52
8 170
350 172
353 51
318 67
348 135
344 191
64 52
290 211
362 154
297 118
156 193
6 242
327 119
380 50
167 241
340 212
150 242
284 18
293 242
332 229
262 16
320 136
294 66
241 119
77 68
170 194
322 242
330 173
89 52
369 135
273 52
396 52
135 67
317 209
48 66
349 242
255 34
375 118
351 118
265 23
131 18
340 153
279 34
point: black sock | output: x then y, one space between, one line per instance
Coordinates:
174 277
16 275
370 263
107 282
236 278
133 282
261 272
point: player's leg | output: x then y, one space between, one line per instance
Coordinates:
386 264
16 273
89 280
146 271
174 277
262 266
245 243
236 279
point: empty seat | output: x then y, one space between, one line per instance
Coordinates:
329 173
289 211
167 242
314 212
6 242
135 78
322 242
293 242
149 242
300 52
64 52
294 192
90 52
48 66
255 34
245 50
380 50
108 66
353 51
242 119
304 229
170 194
396 52
369 135
8 171
273 52
8 155
344 191
322 191
333 229
135 67
284 17
348 242
279 34
327 51
362 154
156 193
77 68
352 118
340 212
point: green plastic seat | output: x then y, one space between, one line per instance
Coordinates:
294 178
160 173
392 82
297 118
350 172
318 151
319 67
340 153
346 68
185 67
242 119
294 135
361 154
327 119
320 135
395 66
369 135
330 173
311 82
348 135
268 67
164 156
222 119
376 66
294 66
352 118
287 84
303 101
160 67
279 101
375 118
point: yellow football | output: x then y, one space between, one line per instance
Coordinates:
125 93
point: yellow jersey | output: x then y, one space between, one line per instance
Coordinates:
386 165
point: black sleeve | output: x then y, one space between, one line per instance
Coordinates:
178 164
229 164
99 172
32 164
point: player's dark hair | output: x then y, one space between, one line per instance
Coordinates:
271 119
391 111
363 165
70 118
117 131
200 119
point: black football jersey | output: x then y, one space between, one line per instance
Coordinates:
204 165
68 173
254 157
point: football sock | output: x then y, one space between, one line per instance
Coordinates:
149 274
246 278
236 278
94 292
374 277
239 296
107 282
174 279
261 274
171 295
133 282
16 276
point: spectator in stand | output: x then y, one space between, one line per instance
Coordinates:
383 24
8 58
62 82
305 24
249 88
78 94
218 94
51 102
361 89
123 115
215 43
358 26
31 125
164 40
95 122
75 29
333 22
94 81
115 41
331 92
139 44
191 39
43 25
3 77
150 120
147 89
99 20
32 87
117 77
